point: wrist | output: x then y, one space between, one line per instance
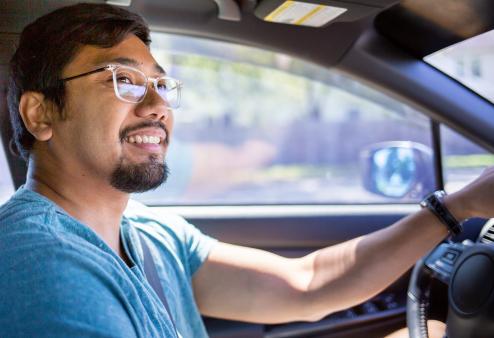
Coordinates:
457 207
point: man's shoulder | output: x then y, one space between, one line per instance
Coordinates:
155 223
30 248
169 229
25 207
22 224
24 228
172 234
34 234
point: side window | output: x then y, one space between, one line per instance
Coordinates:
6 184
463 160
257 127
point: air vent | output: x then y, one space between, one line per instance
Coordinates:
487 233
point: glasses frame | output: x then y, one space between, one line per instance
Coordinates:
154 80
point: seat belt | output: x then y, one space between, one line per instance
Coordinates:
152 277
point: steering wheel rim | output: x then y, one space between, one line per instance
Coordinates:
438 264
418 300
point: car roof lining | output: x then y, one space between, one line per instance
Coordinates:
423 27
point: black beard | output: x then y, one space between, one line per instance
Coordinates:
131 178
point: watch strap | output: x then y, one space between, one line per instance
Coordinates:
435 203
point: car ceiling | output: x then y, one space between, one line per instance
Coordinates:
423 27
418 26
381 42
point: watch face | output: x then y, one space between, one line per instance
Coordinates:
439 193
433 199
432 196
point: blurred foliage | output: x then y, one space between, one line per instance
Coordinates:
260 88
469 161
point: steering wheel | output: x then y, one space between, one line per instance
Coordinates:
468 270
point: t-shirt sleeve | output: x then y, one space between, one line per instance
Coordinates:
197 245
178 235
54 292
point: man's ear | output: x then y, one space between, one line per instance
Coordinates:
37 115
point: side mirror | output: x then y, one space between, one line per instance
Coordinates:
398 169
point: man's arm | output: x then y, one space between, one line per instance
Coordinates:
257 286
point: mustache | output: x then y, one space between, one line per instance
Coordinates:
147 124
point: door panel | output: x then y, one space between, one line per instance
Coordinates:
297 234
291 227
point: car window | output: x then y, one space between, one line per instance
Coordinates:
258 127
471 62
463 160
6 184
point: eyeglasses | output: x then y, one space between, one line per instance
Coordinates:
131 85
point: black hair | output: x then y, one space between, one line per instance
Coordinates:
48 44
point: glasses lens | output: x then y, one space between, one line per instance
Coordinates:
130 84
169 90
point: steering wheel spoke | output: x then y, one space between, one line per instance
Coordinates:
442 259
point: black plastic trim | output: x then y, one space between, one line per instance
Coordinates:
374 60
280 232
304 329
423 27
438 157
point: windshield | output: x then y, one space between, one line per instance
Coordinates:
470 62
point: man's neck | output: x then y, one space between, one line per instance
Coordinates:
95 204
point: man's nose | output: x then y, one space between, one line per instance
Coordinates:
153 106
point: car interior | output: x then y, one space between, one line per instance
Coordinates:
379 44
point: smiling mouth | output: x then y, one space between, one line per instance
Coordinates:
144 139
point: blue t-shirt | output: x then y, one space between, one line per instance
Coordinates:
58 278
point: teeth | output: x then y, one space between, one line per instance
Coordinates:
144 139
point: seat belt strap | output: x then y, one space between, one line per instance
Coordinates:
152 277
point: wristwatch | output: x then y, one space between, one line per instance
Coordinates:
435 203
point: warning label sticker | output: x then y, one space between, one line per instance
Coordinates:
304 14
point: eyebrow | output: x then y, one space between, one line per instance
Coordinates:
131 62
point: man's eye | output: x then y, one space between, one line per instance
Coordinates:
124 79
162 86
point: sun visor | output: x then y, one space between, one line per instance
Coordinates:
317 13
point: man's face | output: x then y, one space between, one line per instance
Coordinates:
100 136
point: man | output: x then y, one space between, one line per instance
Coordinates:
91 112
